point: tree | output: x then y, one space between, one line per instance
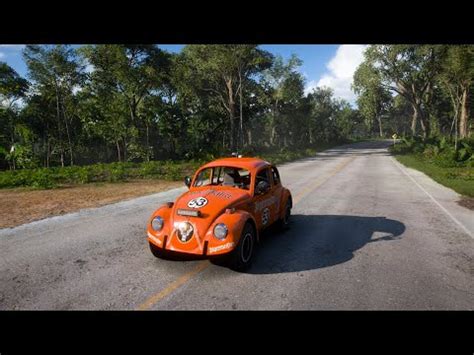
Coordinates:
373 98
456 77
221 71
133 72
409 70
57 73
277 78
12 88
322 121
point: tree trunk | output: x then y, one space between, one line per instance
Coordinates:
147 141
273 128
117 144
58 116
124 149
272 134
379 120
241 128
230 92
414 120
463 126
424 123
68 135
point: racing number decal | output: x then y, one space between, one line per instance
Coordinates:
265 216
197 202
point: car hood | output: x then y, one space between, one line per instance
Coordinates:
210 202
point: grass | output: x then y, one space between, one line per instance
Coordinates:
460 179
55 177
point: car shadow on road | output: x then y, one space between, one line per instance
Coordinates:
318 241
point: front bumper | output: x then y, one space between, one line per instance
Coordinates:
207 246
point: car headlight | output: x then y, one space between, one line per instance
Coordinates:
157 223
220 231
184 230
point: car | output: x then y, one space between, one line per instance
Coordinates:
229 203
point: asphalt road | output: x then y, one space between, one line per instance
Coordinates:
366 233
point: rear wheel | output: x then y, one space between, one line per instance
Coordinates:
241 257
284 222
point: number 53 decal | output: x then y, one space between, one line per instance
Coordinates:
197 202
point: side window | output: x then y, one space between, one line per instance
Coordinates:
262 176
204 178
276 176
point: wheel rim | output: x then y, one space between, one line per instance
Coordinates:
247 247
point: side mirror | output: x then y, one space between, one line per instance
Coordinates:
262 187
187 181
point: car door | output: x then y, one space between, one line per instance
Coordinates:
264 203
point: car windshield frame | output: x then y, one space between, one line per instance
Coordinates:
224 175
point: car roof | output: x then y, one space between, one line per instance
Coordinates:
244 162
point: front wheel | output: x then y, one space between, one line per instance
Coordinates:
157 252
240 258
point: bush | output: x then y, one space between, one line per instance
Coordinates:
113 172
439 150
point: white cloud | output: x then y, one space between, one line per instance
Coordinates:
2 55
341 68
310 86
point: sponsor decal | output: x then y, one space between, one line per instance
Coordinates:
154 238
265 203
197 202
265 216
220 194
221 247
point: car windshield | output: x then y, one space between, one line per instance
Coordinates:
224 176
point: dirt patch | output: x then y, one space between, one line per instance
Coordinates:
22 205
467 202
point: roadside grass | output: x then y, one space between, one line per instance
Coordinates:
57 177
458 178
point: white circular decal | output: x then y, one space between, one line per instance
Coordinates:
265 216
197 202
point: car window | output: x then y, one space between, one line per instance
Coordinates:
204 178
262 176
276 175
224 176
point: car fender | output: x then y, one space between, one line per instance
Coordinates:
235 222
285 196
164 212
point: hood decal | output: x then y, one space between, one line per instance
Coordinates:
221 194
197 202
210 203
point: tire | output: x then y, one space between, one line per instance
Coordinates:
241 257
157 252
284 222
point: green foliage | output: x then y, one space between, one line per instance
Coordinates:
439 151
459 178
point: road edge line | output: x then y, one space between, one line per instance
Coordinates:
454 219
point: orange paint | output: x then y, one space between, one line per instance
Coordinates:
219 203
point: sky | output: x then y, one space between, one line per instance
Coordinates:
323 65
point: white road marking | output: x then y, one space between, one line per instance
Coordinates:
454 219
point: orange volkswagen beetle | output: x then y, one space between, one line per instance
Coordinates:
229 202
